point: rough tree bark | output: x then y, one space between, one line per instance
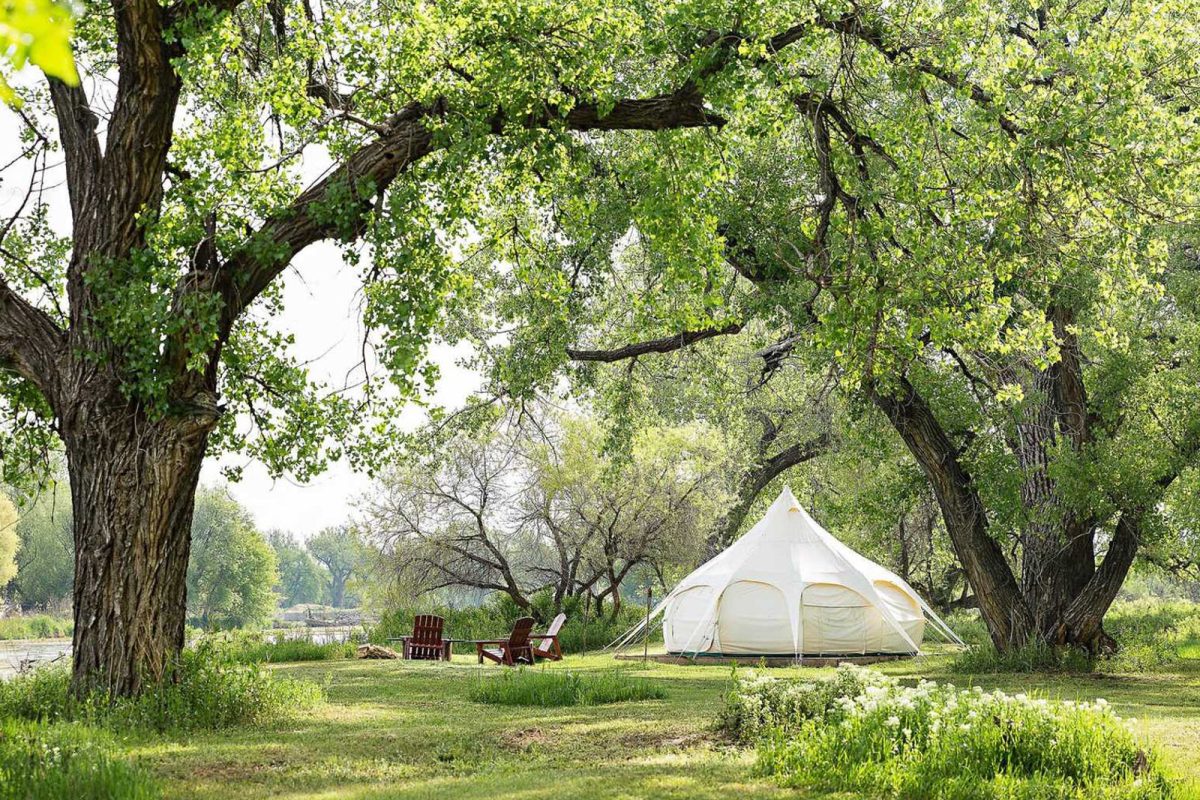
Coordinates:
133 484
1062 595
1008 619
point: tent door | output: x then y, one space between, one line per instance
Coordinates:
690 621
753 619
836 620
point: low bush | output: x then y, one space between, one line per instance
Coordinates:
562 688
969 626
205 689
758 703
247 647
65 762
1150 635
36 626
933 742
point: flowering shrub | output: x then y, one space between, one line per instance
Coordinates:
935 742
759 703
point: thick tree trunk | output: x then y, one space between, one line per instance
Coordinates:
1082 620
337 589
133 484
1000 601
1062 596
1057 549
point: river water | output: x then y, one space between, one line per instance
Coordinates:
16 653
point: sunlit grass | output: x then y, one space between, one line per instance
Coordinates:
399 729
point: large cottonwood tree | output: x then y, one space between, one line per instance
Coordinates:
136 327
976 214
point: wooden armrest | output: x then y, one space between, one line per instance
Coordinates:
553 636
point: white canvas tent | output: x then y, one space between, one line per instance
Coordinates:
790 588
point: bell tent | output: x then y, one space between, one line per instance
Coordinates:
790 588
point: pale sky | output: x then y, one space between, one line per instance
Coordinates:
321 303
321 308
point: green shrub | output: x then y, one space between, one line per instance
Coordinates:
36 626
759 703
563 688
40 695
64 762
247 647
969 626
205 689
933 742
1151 634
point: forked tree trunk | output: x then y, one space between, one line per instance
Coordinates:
1062 595
1000 603
133 485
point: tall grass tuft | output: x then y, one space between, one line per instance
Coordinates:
1036 656
65 762
563 688
204 690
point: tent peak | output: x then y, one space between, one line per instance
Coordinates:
786 498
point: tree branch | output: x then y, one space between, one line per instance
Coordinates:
77 133
665 345
853 25
30 342
375 165
756 478
962 508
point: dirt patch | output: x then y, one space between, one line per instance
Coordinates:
224 771
525 739
666 740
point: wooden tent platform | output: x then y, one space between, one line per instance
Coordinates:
755 661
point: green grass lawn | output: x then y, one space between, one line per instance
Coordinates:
408 730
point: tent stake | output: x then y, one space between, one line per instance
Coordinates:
587 602
646 636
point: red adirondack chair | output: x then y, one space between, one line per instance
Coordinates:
516 649
548 646
426 642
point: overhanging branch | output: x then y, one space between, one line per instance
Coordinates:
854 26
408 139
666 344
